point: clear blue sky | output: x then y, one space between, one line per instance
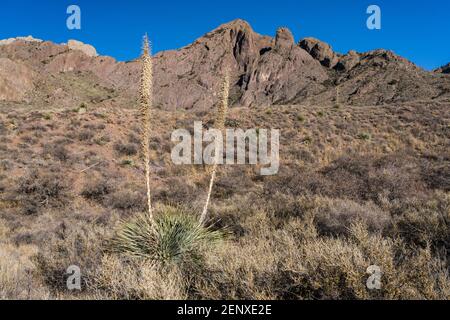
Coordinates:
417 30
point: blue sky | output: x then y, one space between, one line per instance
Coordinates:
417 30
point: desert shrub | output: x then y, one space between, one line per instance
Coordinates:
335 216
252 266
331 216
176 191
116 278
3 129
75 244
127 199
174 237
437 176
297 263
394 181
36 127
18 280
126 149
85 135
102 140
57 151
364 136
97 189
425 221
6 165
134 138
37 189
28 139
295 181
94 126
395 176
233 181
336 268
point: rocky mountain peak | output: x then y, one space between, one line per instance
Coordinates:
320 51
27 39
264 70
236 24
284 40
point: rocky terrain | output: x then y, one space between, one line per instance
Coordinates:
364 173
265 71
444 69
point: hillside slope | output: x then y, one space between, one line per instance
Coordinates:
264 71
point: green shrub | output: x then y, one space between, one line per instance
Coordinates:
174 237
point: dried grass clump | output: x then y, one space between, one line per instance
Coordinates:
296 262
17 277
335 216
424 221
131 280
77 244
17 280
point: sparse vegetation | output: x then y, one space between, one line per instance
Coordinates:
126 149
361 186
36 190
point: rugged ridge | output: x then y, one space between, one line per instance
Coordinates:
443 69
264 71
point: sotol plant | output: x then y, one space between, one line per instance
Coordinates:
146 99
220 125
172 235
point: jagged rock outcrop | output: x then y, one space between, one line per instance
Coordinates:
348 61
443 69
382 77
284 41
284 74
263 70
320 51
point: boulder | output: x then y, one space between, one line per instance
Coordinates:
87 49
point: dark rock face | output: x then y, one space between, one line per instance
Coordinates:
320 51
443 69
263 70
348 61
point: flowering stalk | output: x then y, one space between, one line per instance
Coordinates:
146 99
220 125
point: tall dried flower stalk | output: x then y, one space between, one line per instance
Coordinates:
146 99
220 125
337 95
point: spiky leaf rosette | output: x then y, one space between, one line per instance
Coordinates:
174 236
